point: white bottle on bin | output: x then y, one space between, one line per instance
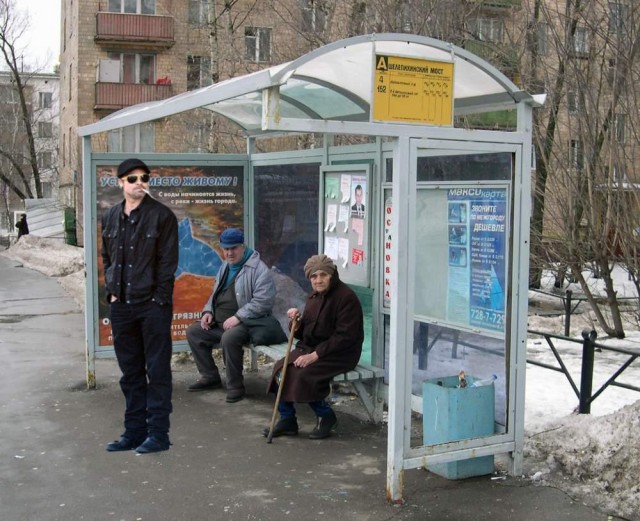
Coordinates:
485 381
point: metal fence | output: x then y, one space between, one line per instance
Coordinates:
584 392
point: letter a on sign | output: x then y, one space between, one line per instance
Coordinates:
382 64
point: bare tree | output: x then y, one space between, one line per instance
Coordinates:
21 171
585 58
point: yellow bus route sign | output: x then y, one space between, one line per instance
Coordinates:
413 90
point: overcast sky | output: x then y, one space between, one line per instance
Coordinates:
42 43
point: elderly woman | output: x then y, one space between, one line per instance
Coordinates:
330 333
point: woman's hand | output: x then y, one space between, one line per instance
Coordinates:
305 360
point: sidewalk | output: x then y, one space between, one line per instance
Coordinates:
54 466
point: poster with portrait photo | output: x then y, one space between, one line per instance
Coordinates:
358 196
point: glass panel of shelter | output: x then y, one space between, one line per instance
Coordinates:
461 289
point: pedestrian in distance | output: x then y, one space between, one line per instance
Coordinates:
23 227
239 307
140 258
330 333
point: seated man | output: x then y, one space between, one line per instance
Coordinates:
244 290
331 334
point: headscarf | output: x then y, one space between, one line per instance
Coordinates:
319 263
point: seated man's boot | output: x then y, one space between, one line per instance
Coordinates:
284 427
324 426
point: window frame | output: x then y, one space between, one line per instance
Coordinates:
135 68
254 38
133 134
45 129
127 6
200 65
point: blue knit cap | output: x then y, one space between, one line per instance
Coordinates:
231 237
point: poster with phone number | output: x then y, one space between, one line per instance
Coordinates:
477 226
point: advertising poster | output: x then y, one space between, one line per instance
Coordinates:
205 200
477 233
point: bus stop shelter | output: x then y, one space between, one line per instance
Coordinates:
428 221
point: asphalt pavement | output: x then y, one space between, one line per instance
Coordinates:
53 430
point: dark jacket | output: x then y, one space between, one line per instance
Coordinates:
154 255
332 326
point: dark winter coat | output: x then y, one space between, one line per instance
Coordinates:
332 326
154 252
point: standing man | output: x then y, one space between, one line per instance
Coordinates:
140 257
23 227
331 333
244 290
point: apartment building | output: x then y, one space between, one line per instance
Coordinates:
117 53
42 97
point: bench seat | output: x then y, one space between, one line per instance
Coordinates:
365 378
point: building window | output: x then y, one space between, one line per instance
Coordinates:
135 138
7 94
45 100
136 68
611 71
618 13
581 41
45 129
577 155
132 6
489 29
573 101
47 192
542 39
199 12
258 43
198 72
45 160
313 15
620 126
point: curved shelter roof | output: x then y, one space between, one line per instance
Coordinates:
333 82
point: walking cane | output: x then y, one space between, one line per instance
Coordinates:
294 326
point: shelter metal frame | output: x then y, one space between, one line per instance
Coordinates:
284 99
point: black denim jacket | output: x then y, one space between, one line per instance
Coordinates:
152 252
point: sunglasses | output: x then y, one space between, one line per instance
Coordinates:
134 178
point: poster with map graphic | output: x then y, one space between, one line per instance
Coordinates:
205 200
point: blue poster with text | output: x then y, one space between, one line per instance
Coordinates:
477 244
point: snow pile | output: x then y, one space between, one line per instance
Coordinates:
597 459
52 257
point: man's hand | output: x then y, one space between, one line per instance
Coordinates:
305 360
230 322
205 321
113 298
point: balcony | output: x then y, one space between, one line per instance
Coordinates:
115 96
134 30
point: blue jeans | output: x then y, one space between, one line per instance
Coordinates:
320 408
142 342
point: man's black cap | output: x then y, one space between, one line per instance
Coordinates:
131 164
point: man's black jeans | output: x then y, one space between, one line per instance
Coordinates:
142 342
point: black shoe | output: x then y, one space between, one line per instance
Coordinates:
153 444
284 427
124 443
324 426
204 385
235 395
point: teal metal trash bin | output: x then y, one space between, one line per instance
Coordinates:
451 414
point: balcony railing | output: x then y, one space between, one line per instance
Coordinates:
134 29
115 96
